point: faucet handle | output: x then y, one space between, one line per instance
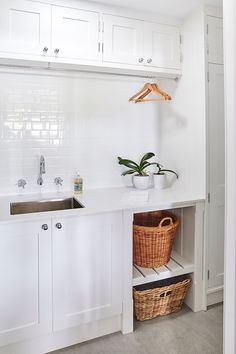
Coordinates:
21 183
58 181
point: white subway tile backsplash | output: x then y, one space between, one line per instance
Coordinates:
76 123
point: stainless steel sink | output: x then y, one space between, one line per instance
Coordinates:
38 206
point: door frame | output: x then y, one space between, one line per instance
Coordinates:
229 8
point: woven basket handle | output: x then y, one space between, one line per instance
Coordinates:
165 219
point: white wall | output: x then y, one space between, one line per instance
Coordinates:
77 121
183 127
84 121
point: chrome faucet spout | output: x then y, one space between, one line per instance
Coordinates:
42 170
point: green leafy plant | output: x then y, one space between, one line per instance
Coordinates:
138 168
162 171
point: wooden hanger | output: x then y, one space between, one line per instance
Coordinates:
146 90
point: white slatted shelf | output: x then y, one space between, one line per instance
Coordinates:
176 266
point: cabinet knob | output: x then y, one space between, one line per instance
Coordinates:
45 227
56 51
149 60
58 225
45 49
141 60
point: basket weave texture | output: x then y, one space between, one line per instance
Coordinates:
153 238
160 301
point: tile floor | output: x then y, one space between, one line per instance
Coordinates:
181 333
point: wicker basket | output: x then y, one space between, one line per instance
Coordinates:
153 238
161 298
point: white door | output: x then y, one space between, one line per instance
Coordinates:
75 33
123 40
216 178
25 286
162 45
215 40
25 27
87 269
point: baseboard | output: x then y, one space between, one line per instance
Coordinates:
215 295
65 338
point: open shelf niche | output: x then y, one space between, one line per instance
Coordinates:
182 257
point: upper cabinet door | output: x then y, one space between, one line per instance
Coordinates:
123 40
162 46
75 34
25 27
215 40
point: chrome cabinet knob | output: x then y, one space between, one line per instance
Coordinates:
149 60
141 60
45 49
58 225
45 227
56 51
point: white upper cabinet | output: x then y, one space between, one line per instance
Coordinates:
75 33
129 41
25 286
87 269
123 40
35 31
24 27
215 40
162 44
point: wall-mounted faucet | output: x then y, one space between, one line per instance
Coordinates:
41 170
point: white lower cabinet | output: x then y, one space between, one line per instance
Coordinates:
87 269
25 286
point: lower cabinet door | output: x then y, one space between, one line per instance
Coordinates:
87 269
25 286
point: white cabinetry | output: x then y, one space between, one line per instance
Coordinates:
215 40
162 46
216 159
123 40
25 286
129 41
60 35
24 27
87 269
75 33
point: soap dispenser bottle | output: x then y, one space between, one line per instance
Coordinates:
78 184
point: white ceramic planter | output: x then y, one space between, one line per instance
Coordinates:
160 181
141 182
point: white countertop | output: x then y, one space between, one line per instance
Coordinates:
103 200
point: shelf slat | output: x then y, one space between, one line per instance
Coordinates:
176 266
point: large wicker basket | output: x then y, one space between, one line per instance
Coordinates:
153 238
160 298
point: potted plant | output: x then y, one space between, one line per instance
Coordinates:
141 178
159 177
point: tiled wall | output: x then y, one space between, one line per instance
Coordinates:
77 121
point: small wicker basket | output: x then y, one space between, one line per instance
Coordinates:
153 238
160 298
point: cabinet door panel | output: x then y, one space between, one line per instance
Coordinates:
87 263
215 40
163 46
25 301
216 176
75 33
123 40
24 27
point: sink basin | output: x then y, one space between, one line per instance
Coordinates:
38 206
